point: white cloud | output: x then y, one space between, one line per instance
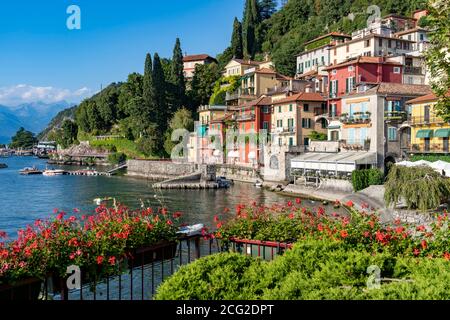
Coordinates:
24 93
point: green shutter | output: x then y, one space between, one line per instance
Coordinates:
422 134
442 133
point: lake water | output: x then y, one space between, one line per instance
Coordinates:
23 199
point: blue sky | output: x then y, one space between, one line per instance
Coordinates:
40 59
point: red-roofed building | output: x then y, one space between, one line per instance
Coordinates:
344 78
189 63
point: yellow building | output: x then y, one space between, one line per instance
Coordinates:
429 133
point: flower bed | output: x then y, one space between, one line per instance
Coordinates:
358 230
100 244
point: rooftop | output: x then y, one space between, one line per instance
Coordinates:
302 96
426 98
197 57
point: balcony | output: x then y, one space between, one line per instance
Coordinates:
413 70
231 96
246 117
356 118
429 148
395 116
421 120
355 145
285 130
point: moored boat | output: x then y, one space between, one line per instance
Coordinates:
53 172
3 165
30 171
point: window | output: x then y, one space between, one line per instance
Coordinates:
392 134
290 124
280 142
279 109
334 72
218 127
300 68
421 37
306 141
290 107
323 60
243 127
397 70
306 107
380 42
409 37
350 68
291 141
390 44
333 110
349 83
367 43
265 125
306 123
280 123
266 109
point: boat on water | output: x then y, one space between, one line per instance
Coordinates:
53 172
3 165
258 184
30 171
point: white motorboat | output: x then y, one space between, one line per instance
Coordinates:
53 172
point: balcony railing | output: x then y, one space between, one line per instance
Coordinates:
245 117
355 145
231 96
413 70
395 115
431 148
425 120
356 118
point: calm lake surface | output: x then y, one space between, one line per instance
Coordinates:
23 199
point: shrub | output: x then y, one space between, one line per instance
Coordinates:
361 179
117 157
216 277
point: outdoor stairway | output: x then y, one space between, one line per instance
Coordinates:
120 166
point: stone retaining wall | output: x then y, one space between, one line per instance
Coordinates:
159 170
242 174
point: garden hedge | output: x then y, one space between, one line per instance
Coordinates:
361 179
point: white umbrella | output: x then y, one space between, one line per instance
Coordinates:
422 163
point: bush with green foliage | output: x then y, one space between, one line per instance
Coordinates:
419 187
312 270
117 157
361 179
23 139
223 86
430 157
318 136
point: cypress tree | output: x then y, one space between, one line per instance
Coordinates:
236 40
177 78
159 88
250 24
267 8
148 92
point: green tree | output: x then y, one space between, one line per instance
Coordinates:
438 55
68 133
23 139
202 85
148 92
177 78
182 119
267 8
236 40
250 26
160 111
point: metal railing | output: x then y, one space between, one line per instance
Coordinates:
431 148
418 120
141 274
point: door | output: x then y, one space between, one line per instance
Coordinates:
427 144
445 144
334 135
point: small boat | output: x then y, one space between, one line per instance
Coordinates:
30 171
53 172
224 182
193 230
258 184
3 165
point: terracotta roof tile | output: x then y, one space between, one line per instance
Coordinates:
302 96
196 57
426 98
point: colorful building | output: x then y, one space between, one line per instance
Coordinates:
190 61
429 132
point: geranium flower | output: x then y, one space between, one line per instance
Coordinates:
350 204
344 234
112 260
298 201
100 259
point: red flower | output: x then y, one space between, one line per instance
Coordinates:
421 228
424 244
3 235
112 260
100 259
416 252
164 211
447 256
60 216
55 211
366 234
399 230
298 201
226 210
76 210
177 214
344 234
289 203
219 225
350 204
320 211
216 218
320 227
169 222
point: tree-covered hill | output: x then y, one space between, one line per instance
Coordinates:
282 34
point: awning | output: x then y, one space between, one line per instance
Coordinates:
233 154
341 162
424 134
442 133
216 153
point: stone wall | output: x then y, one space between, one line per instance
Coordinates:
159 170
236 173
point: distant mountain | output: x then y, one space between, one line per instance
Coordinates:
32 116
57 121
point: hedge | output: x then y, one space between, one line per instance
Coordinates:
361 179
312 270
